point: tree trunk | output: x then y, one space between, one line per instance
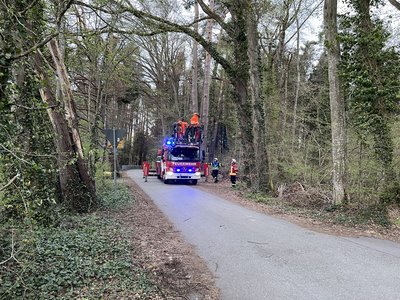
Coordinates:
261 172
336 103
217 114
195 101
298 81
384 148
280 63
245 114
75 194
72 119
207 79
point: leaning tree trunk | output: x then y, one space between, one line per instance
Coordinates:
72 118
75 194
336 103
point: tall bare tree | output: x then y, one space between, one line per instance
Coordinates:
195 62
207 78
336 103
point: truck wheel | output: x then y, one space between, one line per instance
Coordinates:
194 181
166 181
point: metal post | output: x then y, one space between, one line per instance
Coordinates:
115 156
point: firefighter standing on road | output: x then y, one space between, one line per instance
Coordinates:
215 165
233 172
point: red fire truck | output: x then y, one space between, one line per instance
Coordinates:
179 161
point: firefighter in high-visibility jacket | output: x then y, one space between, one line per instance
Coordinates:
215 165
233 172
193 130
181 126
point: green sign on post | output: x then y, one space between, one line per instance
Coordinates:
113 136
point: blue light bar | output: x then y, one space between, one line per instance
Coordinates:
190 170
178 170
170 142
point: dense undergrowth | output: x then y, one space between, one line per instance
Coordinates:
82 257
314 203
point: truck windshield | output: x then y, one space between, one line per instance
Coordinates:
184 154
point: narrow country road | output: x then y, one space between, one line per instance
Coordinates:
255 256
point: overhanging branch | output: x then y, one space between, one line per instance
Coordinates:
165 26
35 47
395 4
9 183
214 16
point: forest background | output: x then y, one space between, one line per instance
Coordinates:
291 102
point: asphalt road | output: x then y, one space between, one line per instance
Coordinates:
256 256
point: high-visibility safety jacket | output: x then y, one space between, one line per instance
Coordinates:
182 125
194 120
215 165
234 170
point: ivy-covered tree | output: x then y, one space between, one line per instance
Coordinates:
35 122
370 73
28 180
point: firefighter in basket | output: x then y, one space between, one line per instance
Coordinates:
180 129
194 129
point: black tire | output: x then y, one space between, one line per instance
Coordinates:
166 181
194 181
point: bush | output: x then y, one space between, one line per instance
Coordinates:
391 195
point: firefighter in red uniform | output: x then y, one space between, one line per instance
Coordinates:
233 172
146 169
